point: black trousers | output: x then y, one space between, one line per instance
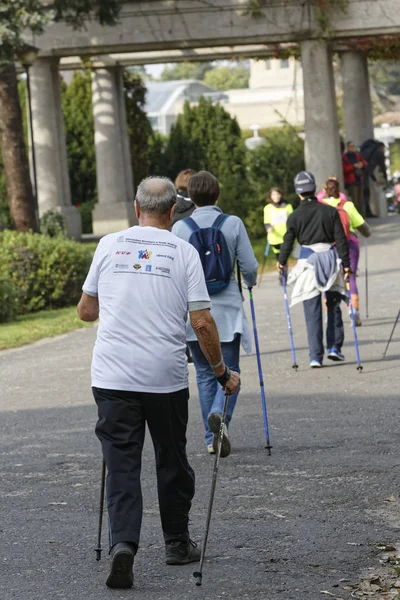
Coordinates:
121 431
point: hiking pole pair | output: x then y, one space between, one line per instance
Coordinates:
198 575
391 335
353 323
259 366
295 366
267 247
98 549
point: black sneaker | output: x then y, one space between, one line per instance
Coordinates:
121 573
180 553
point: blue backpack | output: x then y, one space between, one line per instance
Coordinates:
214 254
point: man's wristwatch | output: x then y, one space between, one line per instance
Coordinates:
223 379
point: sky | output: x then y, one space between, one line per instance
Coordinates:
155 70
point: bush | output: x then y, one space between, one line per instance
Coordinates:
48 272
53 224
86 210
10 301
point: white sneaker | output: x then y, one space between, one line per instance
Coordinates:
315 364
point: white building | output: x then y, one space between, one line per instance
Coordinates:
165 100
275 94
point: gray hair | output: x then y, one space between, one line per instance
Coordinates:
156 195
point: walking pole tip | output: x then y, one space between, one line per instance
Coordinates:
295 367
98 553
360 368
198 575
268 447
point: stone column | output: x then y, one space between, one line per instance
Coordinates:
322 143
357 106
114 210
53 191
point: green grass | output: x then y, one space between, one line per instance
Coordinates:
36 326
49 323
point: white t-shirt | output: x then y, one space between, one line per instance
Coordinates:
144 278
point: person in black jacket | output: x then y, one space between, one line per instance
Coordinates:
184 205
317 227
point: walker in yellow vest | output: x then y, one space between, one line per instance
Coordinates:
276 213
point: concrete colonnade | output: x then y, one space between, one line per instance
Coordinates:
115 209
53 191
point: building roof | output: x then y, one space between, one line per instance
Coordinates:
160 93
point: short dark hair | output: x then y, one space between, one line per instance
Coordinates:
203 189
308 194
182 179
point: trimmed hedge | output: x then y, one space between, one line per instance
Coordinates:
46 272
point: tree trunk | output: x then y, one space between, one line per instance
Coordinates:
15 158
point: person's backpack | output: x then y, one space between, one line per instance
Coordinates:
214 254
344 217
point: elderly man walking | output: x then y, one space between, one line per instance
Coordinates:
142 283
227 303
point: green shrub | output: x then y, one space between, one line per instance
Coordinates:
86 209
10 301
48 272
5 217
53 224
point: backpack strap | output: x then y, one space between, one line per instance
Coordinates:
219 221
191 223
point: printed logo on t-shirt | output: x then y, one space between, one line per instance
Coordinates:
123 252
148 268
119 266
164 270
120 238
144 254
136 266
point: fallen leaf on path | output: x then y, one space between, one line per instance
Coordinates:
385 547
326 593
390 499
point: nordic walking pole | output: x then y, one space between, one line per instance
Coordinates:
101 508
366 276
266 252
198 575
289 321
353 323
260 373
391 335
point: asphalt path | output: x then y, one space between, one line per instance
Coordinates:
303 521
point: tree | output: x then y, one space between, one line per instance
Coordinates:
207 137
18 16
385 73
139 128
186 70
273 165
79 133
228 78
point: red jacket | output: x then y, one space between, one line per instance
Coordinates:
349 172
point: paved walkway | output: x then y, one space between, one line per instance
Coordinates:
290 526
